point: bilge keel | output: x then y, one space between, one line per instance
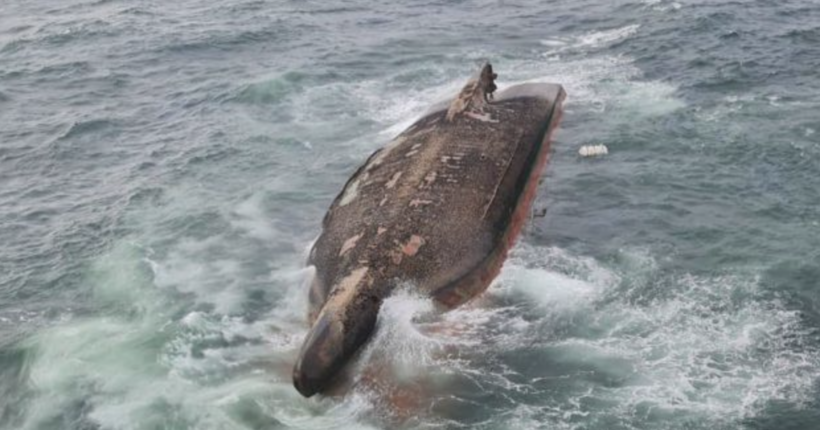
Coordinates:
437 208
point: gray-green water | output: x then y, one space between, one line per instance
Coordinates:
165 165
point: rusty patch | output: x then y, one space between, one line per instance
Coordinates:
412 246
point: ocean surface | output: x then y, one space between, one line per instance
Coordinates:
165 165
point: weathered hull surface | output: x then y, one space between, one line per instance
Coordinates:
437 209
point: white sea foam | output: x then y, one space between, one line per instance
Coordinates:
406 110
207 369
592 39
611 84
646 350
250 216
210 281
555 42
598 38
603 83
712 349
662 5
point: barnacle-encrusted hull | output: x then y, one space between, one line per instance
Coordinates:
436 209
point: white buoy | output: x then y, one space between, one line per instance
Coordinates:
593 150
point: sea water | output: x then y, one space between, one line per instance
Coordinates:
164 166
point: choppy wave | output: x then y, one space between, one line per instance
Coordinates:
175 322
645 352
163 286
592 39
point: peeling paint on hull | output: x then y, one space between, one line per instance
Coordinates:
438 208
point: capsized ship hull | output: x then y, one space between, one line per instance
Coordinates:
437 208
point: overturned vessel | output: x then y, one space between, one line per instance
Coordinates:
437 208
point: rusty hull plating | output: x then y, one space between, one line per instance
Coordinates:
438 207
